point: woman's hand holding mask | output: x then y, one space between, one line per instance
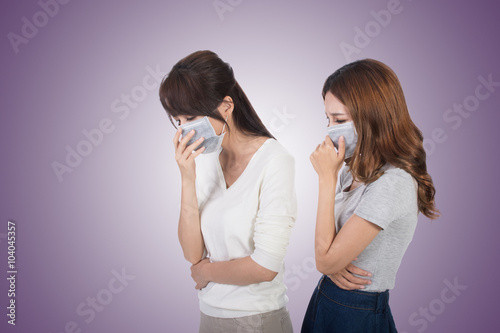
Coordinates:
185 155
326 160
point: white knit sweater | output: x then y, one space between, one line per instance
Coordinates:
253 217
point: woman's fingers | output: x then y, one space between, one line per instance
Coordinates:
341 149
312 157
195 153
337 282
346 280
348 272
343 283
328 141
355 280
185 139
190 150
177 137
329 146
356 270
181 147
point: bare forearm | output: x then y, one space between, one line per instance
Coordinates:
189 230
348 244
325 218
333 261
242 272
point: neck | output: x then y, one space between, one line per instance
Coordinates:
237 144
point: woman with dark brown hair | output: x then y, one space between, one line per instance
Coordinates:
238 202
367 209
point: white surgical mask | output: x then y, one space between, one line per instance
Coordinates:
346 130
203 128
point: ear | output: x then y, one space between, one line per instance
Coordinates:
226 107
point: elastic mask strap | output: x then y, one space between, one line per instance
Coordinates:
224 126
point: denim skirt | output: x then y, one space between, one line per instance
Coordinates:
332 309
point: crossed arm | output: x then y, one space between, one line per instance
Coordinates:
334 253
242 271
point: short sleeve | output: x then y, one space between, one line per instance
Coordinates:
277 212
389 198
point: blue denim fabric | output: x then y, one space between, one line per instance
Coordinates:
332 309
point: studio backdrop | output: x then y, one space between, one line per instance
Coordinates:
90 190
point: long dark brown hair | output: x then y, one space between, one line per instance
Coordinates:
197 85
386 134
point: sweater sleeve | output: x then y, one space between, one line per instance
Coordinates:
277 212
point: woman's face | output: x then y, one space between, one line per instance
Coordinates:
336 112
216 124
182 120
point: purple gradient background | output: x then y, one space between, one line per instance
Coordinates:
119 207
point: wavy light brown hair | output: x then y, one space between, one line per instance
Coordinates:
386 134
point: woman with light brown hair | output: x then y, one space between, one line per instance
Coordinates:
367 208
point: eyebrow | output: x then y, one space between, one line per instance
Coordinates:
336 114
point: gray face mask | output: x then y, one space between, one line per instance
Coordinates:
346 130
203 128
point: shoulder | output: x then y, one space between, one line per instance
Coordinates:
276 169
389 198
275 165
276 148
273 153
396 177
395 182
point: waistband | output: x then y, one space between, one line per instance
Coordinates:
356 299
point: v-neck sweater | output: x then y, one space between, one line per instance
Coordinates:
253 217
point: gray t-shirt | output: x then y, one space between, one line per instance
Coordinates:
389 202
